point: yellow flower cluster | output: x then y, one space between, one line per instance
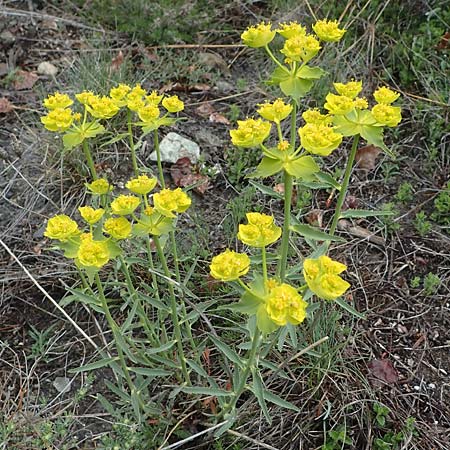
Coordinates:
260 231
350 89
301 47
102 107
117 227
119 93
229 265
168 202
259 35
57 100
58 119
322 277
384 113
91 215
141 185
124 205
291 29
250 133
328 30
99 187
284 304
338 104
276 111
316 117
61 228
319 139
92 253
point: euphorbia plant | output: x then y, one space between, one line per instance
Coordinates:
276 294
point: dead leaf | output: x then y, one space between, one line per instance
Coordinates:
360 232
366 157
315 218
24 80
5 105
117 62
279 189
444 42
211 404
205 110
184 174
218 118
200 87
214 60
384 370
350 202
46 68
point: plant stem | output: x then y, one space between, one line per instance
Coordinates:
158 158
146 324
132 149
173 304
264 264
293 124
90 161
345 182
243 379
281 269
115 329
275 60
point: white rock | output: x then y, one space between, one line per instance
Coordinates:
62 384
173 147
46 68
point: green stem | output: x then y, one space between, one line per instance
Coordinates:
293 124
275 60
158 159
132 149
345 182
90 161
174 312
280 133
247 289
264 265
115 329
243 378
145 322
281 269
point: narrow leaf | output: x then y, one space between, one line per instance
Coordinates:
273 398
310 232
343 304
199 390
226 350
95 365
357 213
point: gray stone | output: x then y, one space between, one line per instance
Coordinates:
174 146
62 384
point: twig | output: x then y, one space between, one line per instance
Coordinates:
54 302
253 441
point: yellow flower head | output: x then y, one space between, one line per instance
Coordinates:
338 104
99 186
322 277
135 103
276 111
141 185
229 265
291 29
250 133
124 204
315 116
117 227
285 305
360 103
102 107
92 253
173 104
301 48
283 145
148 113
168 201
385 96
319 139
149 210
58 119
137 91
328 30
84 97
260 231
91 215
258 35
119 93
387 115
350 89
57 100
62 228
154 98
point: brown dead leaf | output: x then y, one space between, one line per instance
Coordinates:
211 404
350 202
444 42
200 87
315 218
366 157
384 370
214 60
360 232
5 105
24 80
205 110
218 118
279 189
184 174
117 62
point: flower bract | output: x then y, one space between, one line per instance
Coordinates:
168 201
328 30
229 265
117 227
124 204
62 228
258 35
141 185
319 139
260 231
91 215
250 133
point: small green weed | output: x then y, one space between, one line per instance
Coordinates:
431 283
337 439
389 221
441 213
405 193
381 412
421 224
415 282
